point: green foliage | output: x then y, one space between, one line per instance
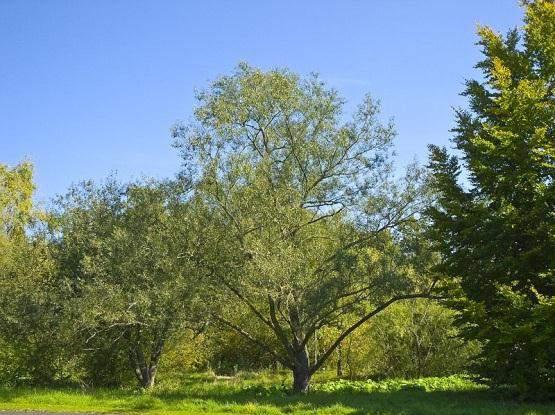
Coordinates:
498 236
409 340
16 190
230 352
309 217
428 384
28 299
289 242
130 255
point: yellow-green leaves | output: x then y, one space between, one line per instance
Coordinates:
540 36
16 191
501 74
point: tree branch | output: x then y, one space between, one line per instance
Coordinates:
256 312
362 320
256 341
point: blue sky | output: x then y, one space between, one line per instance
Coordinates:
92 87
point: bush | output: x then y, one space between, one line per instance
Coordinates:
410 340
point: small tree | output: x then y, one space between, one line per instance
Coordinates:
311 218
28 300
497 234
129 254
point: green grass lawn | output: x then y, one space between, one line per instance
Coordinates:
201 394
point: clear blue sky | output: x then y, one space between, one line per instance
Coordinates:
91 87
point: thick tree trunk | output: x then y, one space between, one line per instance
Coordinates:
301 379
301 372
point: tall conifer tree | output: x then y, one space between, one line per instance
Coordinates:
494 220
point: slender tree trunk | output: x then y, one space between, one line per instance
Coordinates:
339 360
148 374
316 351
301 372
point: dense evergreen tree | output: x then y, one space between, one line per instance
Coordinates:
495 216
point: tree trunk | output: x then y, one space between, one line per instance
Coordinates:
148 374
301 372
145 370
339 361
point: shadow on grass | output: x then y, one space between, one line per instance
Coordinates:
417 402
210 397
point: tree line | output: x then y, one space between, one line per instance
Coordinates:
289 239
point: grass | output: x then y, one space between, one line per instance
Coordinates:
202 394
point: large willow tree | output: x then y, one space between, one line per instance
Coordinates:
314 226
497 232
